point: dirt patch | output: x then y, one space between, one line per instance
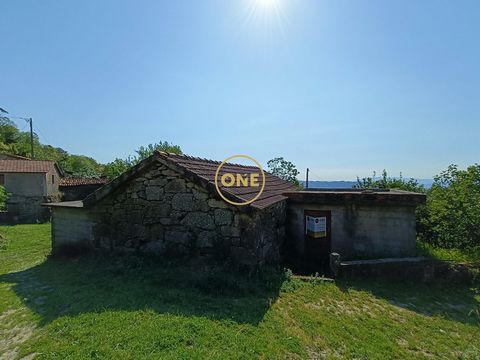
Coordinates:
12 334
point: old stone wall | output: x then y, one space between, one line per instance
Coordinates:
25 209
162 213
360 231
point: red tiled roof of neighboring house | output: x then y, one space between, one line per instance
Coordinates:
202 171
77 181
26 166
7 156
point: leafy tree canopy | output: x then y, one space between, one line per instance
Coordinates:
452 215
119 166
16 142
284 169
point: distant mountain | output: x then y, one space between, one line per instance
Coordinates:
340 184
426 182
345 184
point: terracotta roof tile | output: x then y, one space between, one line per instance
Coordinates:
272 193
26 166
203 172
6 156
77 181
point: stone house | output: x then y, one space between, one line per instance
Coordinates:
29 184
168 205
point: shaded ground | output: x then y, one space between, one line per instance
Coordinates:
100 307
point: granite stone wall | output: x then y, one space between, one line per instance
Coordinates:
25 209
160 212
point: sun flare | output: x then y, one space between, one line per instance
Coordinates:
266 3
267 17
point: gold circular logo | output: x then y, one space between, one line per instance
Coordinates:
229 179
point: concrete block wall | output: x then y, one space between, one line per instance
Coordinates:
71 229
360 231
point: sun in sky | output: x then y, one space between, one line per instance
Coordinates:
269 14
266 3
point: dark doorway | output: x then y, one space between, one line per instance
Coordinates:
317 235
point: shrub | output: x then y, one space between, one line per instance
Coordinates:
452 215
3 197
386 182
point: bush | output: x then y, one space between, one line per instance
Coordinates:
386 182
451 218
3 197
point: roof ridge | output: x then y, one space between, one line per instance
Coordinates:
196 158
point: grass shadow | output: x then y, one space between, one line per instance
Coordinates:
98 283
451 301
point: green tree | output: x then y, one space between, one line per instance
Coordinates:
79 165
386 182
452 214
8 131
284 169
145 151
115 168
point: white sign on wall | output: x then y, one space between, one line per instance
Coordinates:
316 226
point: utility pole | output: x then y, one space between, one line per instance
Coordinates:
28 120
306 183
31 137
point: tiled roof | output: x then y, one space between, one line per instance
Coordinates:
26 166
6 156
77 181
206 169
202 171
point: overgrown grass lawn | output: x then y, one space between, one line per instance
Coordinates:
458 255
129 308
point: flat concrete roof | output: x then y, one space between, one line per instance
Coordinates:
356 196
65 204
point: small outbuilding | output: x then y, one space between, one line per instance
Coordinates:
78 188
355 223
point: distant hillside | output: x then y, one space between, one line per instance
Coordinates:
341 184
344 184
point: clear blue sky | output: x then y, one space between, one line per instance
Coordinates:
342 87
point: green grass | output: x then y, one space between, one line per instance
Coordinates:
129 308
458 255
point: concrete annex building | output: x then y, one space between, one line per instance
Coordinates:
168 205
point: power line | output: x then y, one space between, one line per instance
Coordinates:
37 129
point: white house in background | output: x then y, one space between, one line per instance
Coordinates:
29 184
